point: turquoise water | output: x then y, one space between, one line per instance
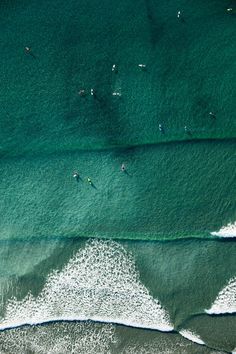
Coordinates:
190 72
133 254
190 196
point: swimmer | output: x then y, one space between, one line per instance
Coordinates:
92 92
89 181
212 114
114 68
178 14
185 128
160 128
27 49
76 175
82 92
230 9
116 94
142 66
122 167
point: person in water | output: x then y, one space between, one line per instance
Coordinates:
81 92
76 175
212 114
27 49
122 167
114 68
89 180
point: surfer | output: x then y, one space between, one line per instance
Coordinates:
114 68
89 181
27 49
82 92
92 92
212 114
142 66
76 175
122 167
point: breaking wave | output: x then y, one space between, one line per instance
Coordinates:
191 336
99 283
226 231
225 302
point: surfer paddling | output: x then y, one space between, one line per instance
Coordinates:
89 181
212 115
114 68
82 93
29 51
142 66
76 175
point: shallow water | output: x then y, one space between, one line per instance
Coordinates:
165 286
42 199
165 266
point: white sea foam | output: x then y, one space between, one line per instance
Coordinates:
59 338
191 336
226 231
225 302
99 283
91 338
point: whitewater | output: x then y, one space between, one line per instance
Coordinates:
99 283
226 231
225 301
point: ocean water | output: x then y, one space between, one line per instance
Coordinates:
141 261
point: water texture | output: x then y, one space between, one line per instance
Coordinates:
109 266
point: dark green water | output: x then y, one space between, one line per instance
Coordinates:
178 187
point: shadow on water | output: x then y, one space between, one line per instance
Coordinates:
182 19
33 55
127 173
78 179
93 185
189 133
155 29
